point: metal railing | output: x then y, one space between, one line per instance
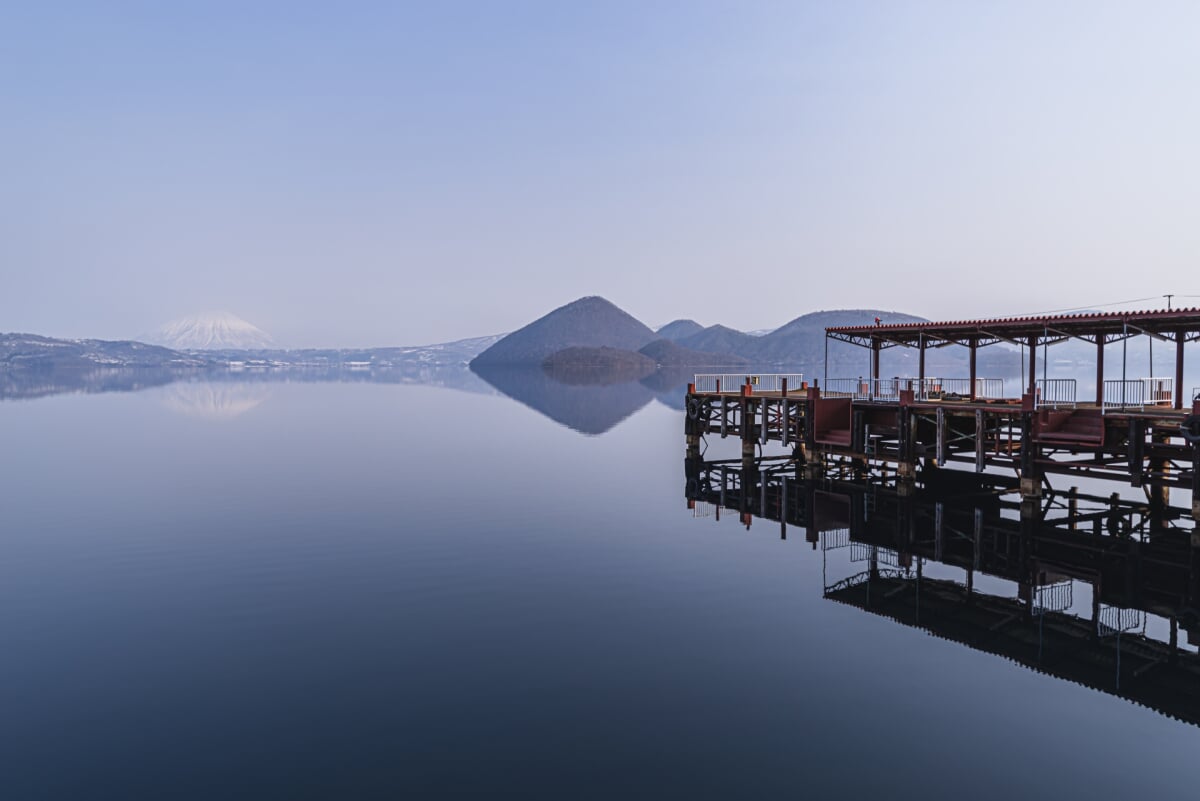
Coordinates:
719 382
862 552
1159 391
1138 393
887 390
958 387
1118 619
773 382
989 388
854 388
1056 597
833 539
920 386
884 390
1055 393
1122 394
759 382
985 388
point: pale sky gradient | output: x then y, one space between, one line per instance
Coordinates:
372 174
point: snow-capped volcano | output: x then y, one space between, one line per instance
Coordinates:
212 331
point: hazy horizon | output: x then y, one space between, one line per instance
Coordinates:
407 175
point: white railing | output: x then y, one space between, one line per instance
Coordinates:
989 388
1122 394
719 382
985 388
1055 393
1138 393
854 388
1056 597
773 382
887 390
1159 391
759 382
1118 619
919 387
960 387
833 539
884 390
861 552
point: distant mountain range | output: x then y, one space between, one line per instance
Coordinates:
592 331
32 352
588 342
35 366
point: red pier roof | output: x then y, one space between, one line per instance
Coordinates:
1167 323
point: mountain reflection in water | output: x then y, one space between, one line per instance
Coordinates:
214 400
588 400
1089 589
592 403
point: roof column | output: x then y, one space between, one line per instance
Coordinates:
1033 340
1179 340
921 358
974 346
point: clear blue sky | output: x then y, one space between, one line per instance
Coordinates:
392 174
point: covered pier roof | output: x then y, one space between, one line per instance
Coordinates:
1095 327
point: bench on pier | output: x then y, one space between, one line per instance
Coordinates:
837 437
1070 427
832 421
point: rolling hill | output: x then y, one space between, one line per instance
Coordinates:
590 322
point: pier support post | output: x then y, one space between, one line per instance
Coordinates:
1031 476
940 451
1031 488
1196 488
815 469
1100 340
1137 451
980 441
906 470
1160 469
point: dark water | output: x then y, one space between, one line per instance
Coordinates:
337 590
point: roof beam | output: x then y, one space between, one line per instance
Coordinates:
1154 334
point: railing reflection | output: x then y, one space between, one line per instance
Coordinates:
1092 589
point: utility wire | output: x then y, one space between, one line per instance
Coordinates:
1098 305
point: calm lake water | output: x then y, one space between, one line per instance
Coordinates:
357 590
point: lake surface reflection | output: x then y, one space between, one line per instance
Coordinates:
378 590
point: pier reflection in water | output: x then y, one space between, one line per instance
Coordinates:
1095 590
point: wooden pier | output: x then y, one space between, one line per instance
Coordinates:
1139 430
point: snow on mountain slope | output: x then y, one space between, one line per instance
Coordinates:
212 331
